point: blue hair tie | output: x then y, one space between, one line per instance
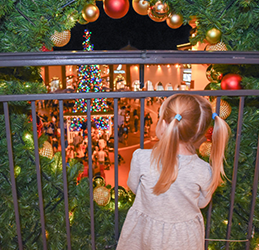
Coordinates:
178 117
214 115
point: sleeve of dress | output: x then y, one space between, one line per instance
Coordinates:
205 196
134 174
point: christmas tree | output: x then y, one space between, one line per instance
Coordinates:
89 81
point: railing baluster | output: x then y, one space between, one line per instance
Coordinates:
254 194
90 169
38 170
11 165
234 176
142 123
116 189
64 168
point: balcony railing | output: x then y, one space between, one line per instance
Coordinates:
141 57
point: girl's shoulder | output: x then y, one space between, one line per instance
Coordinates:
142 153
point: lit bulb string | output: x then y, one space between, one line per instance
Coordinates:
89 81
100 123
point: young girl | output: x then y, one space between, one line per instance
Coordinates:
171 182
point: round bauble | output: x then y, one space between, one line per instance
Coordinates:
212 75
231 82
98 181
208 133
60 39
45 49
90 12
174 21
225 108
46 150
122 193
217 47
213 36
208 73
141 6
116 8
158 12
102 195
205 148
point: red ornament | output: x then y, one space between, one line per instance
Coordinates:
116 8
231 82
208 134
44 49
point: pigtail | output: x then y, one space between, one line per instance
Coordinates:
220 138
165 154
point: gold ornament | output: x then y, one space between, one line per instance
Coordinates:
217 47
102 195
193 22
121 193
225 108
46 150
90 12
141 6
98 181
213 36
174 21
205 148
60 39
158 12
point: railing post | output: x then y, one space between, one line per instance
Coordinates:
11 165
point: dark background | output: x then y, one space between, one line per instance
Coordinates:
133 29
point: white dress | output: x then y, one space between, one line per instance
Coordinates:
172 220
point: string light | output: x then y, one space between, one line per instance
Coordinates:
89 81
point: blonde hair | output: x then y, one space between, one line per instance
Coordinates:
196 116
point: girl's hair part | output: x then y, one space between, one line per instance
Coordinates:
196 113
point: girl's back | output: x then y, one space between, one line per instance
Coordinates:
161 222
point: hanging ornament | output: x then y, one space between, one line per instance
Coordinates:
60 39
122 193
208 73
141 6
101 195
208 133
225 108
98 181
45 49
217 47
90 12
116 8
212 75
205 148
193 22
213 36
231 82
174 21
159 11
46 150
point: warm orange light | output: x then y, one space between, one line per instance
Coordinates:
159 66
147 66
177 65
168 65
136 67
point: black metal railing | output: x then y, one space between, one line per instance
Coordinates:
141 57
